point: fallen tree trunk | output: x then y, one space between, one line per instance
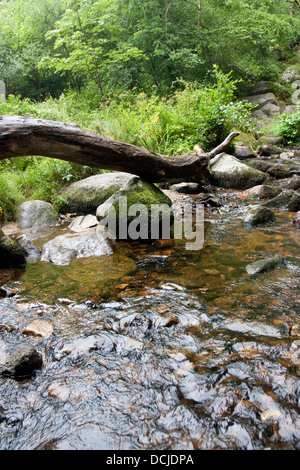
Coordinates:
23 136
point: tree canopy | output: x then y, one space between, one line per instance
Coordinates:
50 45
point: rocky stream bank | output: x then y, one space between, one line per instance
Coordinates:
138 345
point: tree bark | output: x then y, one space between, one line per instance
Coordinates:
24 136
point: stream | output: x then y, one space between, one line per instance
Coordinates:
161 348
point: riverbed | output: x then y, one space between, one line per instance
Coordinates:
161 348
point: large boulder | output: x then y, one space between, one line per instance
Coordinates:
84 196
228 172
269 149
290 109
296 84
271 139
270 109
11 254
121 210
34 215
265 103
64 248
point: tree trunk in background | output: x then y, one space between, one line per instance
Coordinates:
23 136
199 13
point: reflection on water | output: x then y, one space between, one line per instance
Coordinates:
162 349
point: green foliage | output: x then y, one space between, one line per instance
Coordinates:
40 178
139 71
23 25
289 128
194 115
49 46
86 42
10 195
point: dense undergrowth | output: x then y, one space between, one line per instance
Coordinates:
289 128
192 115
169 126
140 72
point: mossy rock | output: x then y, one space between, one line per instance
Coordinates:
274 169
258 164
267 150
84 196
123 207
11 254
287 199
259 215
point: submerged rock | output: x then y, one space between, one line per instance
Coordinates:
265 264
64 248
259 215
11 254
287 199
36 214
22 363
228 172
132 211
84 196
40 328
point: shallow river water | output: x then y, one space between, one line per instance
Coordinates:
161 348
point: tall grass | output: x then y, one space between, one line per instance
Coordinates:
169 126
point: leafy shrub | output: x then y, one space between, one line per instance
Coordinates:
10 195
193 115
289 128
196 114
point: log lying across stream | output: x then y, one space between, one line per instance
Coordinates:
24 136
